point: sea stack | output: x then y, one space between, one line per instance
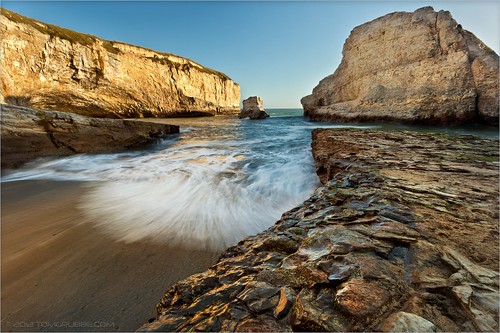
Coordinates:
253 108
64 70
419 67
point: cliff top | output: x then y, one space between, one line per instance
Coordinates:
420 11
110 46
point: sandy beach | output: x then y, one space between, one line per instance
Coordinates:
61 274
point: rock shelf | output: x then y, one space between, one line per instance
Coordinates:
28 134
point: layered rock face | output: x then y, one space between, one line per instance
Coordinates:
419 67
253 108
401 237
48 67
29 134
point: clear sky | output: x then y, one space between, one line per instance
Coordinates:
277 50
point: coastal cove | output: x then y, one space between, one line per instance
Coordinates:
143 190
156 215
223 166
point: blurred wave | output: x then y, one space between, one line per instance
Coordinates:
219 181
210 190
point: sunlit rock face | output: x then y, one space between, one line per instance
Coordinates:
419 67
48 67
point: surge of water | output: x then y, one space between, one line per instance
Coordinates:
198 205
222 179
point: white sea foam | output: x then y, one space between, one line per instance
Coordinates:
208 205
199 197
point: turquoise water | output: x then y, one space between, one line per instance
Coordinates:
219 180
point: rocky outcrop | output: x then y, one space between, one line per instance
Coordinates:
29 134
68 71
419 67
253 109
402 236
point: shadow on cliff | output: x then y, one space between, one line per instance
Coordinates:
18 100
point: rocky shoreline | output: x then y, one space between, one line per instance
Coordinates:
402 236
28 134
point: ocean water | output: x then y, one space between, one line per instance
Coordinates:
219 181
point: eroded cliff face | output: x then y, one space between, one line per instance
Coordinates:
419 67
48 67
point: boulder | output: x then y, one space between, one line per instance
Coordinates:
253 109
407 322
28 134
417 67
258 115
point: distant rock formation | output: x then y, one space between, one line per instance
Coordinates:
29 134
419 67
69 71
253 108
392 244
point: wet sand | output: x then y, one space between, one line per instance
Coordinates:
59 273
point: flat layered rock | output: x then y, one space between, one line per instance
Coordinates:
28 134
414 67
402 236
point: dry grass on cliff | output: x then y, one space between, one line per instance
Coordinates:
88 40
56 31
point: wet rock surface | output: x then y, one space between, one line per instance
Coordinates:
28 134
402 236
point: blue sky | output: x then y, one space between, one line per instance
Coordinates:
277 50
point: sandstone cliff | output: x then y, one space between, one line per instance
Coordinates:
402 237
48 67
419 67
29 134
